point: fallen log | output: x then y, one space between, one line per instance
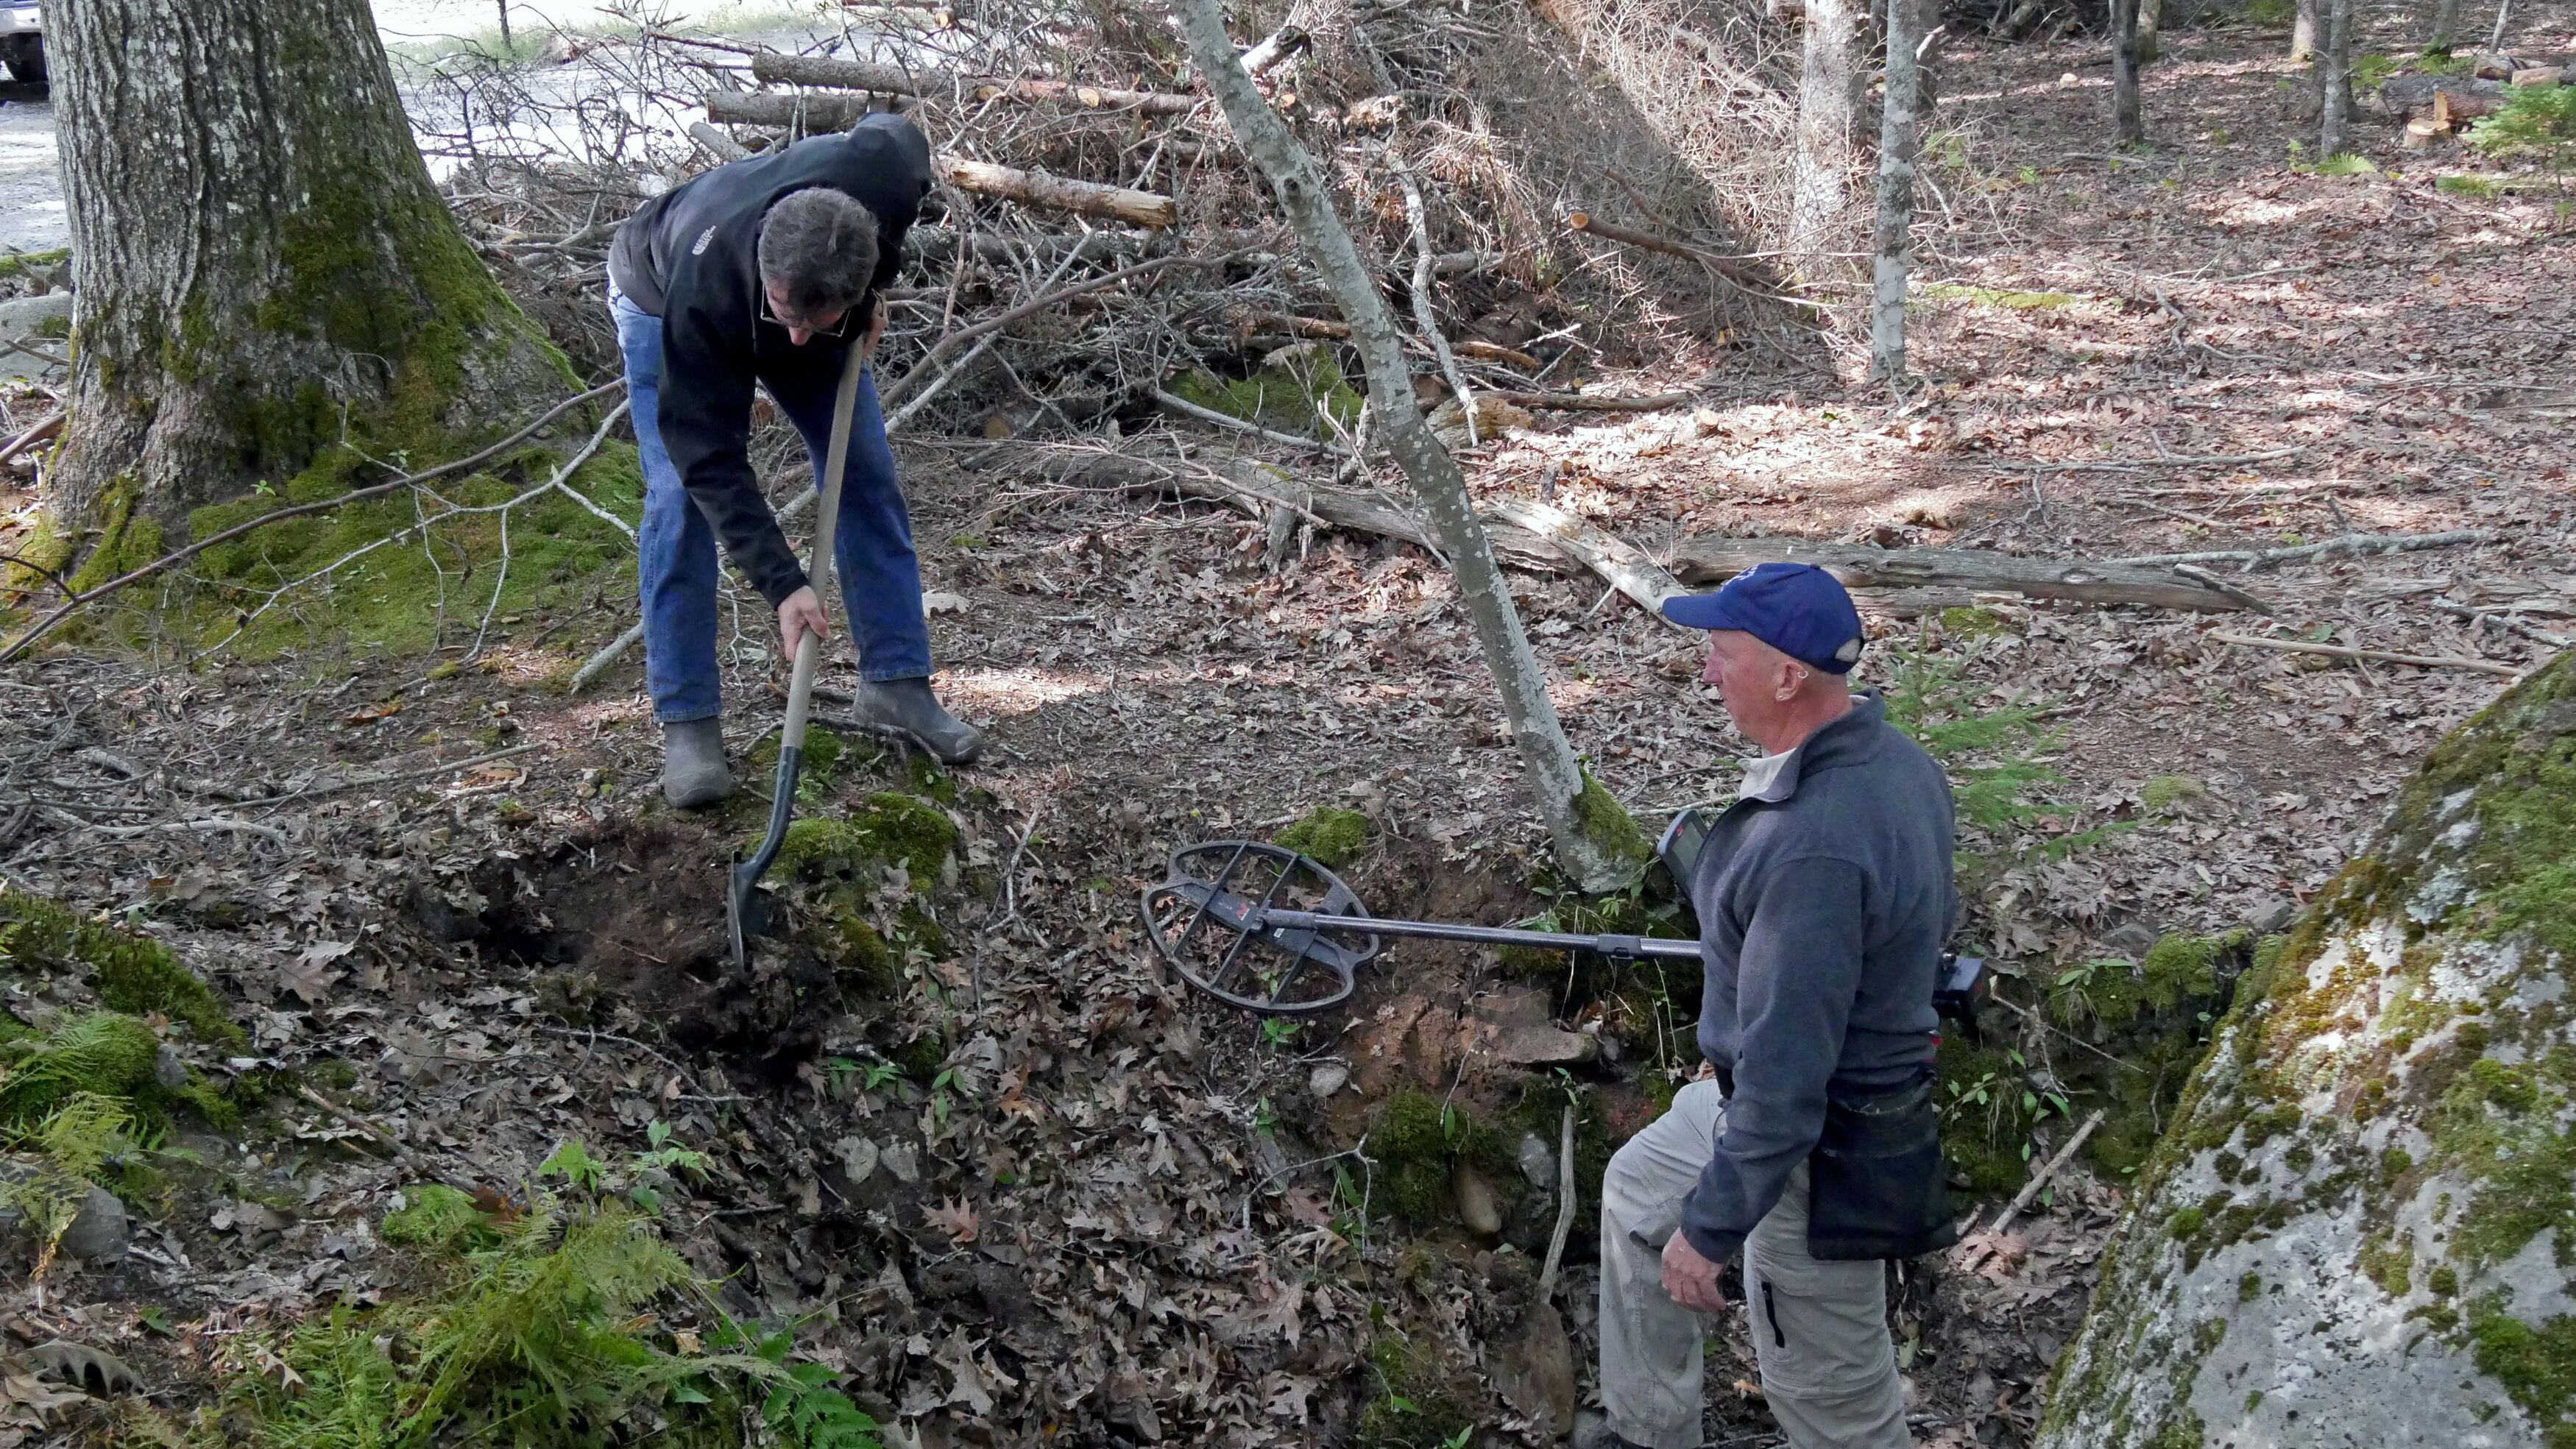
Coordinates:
43 432
2351 543
1714 560
1036 188
1583 402
1620 564
776 68
1730 268
1029 188
1256 488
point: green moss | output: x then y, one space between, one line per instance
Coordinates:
920 1057
1332 837
2167 793
2536 1366
1992 297
125 543
1967 621
2249 1287
438 1217
2442 1282
429 587
131 973
1417 1139
885 829
1291 398
1611 829
2390 1265
20 264
858 951
2186 1223
2181 966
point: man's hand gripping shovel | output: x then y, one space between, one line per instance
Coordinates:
746 909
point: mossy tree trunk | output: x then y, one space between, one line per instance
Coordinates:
261 260
2359 1227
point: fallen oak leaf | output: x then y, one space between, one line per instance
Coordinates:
956 1218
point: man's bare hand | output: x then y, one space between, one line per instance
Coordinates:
802 614
1689 1279
876 329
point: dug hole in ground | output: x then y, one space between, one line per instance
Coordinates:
373 1066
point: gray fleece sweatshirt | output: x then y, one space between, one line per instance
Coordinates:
1824 902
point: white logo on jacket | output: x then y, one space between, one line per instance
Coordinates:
704 237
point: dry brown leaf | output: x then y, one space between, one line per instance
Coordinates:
956 1218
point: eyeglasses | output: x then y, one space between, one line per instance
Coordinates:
835 332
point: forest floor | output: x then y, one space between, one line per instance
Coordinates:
1040 1190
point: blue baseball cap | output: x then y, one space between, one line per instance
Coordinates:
1796 608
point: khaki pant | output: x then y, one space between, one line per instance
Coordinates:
1819 1329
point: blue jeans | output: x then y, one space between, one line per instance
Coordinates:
676 550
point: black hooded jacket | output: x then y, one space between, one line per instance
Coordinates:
690 256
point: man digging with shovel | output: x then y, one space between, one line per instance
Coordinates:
1824 898
767 271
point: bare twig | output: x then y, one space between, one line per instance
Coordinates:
1187 408
2356 544
2338 651
2030 1190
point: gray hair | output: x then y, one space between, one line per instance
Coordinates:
819 246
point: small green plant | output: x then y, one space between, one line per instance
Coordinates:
2345 163
571 1161
1279 1031
2004 783
2534 120
2464 186
2370 72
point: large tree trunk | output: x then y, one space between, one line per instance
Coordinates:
2303 30
260 257
1828 108
1596 843
1896 146
2355 1229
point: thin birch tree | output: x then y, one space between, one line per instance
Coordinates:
1897 141
2303 31
1596 842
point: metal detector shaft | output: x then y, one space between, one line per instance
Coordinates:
1625 948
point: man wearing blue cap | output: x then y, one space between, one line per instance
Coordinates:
1824 899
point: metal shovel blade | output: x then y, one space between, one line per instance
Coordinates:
746 909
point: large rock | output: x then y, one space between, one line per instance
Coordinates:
2359 1228
99 1234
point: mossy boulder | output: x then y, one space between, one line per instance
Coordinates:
1328 835
2380 1135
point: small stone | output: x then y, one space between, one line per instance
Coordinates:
1478 1208
1328 1078
1538 1164
169 1069
2273 916
2136 938
903 1161
858 1157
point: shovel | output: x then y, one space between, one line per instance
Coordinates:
746 913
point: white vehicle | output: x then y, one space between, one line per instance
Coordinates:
22 41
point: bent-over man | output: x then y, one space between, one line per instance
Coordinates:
767 271
1824 898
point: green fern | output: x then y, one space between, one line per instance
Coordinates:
2004 783
103 1053
2539 119
805 1410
